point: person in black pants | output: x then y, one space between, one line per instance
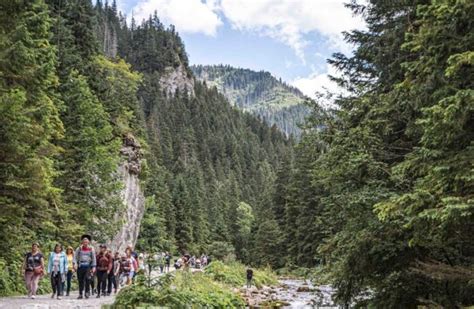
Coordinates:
71 266
86 263
249 277
112 278
167 262
104 268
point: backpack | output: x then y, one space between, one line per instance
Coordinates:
103 262
249 274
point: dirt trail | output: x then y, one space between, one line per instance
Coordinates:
46 302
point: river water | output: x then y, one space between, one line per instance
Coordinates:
300 293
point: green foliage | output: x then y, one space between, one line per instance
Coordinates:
221 250
90 158
182 289
29 127
380 197
244 223
234 274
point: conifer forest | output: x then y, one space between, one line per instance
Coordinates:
374 196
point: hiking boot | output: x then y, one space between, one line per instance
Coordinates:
80 296
98 295
87 295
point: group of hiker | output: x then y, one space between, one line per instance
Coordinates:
97 273
187 261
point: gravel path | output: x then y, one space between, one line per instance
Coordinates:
46 302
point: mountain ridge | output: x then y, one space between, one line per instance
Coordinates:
259 93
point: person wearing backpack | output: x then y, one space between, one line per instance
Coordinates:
124 270
85 263
57 267
167 262
249 278
33 269
114 274
134 262
104 267
160 260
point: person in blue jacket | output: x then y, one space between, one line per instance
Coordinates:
57 267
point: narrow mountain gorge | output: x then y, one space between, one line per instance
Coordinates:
106 129
258 93
128 147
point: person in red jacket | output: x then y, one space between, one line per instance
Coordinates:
104 267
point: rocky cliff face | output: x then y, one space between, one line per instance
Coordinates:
176 79
132 196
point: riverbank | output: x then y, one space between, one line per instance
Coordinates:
289 293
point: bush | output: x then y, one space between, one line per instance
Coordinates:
178 290
135 295
234 274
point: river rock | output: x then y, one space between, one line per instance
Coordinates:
303 288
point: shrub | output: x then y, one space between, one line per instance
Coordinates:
178 290
234 274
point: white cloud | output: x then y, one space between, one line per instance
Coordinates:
290 20
318 82
287 21
189 16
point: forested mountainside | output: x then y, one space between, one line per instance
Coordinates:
97 115
102 126
259 93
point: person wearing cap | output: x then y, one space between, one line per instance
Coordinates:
85 265
104 267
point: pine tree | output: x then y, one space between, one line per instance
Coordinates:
30 126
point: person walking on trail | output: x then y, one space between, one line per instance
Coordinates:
71 266
85 263
249 278
133 263
141 262
124 270
104 267
113 275
167 262
33 269
160 260
57 267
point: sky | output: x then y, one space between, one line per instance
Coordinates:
289 38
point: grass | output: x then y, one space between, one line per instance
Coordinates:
234 274
180 289
213 288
